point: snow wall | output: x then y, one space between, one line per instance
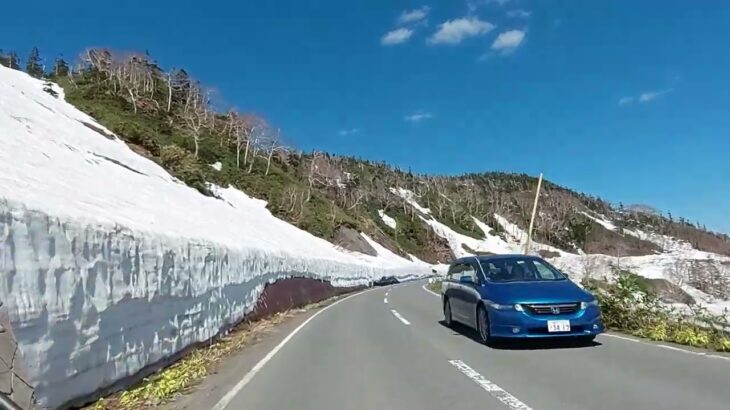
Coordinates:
108 264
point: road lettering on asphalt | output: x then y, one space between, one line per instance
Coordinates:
401 318
497 392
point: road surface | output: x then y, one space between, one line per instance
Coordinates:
387 349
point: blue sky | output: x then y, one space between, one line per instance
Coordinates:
628 100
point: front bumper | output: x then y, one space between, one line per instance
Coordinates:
515 324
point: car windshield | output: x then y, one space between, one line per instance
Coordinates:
520 269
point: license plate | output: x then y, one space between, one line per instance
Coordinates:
558 325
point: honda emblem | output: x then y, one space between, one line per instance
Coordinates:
555 310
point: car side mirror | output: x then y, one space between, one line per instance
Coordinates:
467 280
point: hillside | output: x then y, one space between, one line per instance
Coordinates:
168 117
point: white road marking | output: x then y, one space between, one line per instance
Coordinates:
430 291
401 318
226 399
497 392
663 346
385 300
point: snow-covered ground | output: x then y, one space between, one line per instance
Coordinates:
410 197
110 264
578 265
387 220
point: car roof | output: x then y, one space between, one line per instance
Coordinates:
495 257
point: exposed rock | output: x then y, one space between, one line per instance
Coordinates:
351 240
668 292
473 252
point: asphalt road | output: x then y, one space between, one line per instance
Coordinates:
360 354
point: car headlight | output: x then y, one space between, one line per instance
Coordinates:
585 305
497 306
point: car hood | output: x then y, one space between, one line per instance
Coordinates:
537 292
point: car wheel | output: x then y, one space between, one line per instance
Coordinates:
447 314
483 325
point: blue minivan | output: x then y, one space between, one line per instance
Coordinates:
517 296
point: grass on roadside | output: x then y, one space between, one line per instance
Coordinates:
180 377
628 306
434 286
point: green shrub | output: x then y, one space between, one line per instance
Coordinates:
183 165
629 306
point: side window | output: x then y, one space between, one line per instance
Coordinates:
455 272
469 270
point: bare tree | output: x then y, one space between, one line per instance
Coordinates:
273 147
195 115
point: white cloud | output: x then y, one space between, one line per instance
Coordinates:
519 13
645 97
412 16
455 31
418 116
508 41
397 36
351 131
625 100
652 95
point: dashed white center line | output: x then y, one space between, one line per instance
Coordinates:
497 392
401 318
385 300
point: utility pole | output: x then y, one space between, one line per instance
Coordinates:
532 219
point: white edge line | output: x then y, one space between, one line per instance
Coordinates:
668 347
226 399
495 391
430 291
401 318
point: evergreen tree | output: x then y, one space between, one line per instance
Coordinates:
4 60
10 60
13 61
60 67
34 65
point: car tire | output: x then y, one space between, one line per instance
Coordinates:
483 331
448 321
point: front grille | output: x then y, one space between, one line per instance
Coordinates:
552 309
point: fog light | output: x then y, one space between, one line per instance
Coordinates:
515 330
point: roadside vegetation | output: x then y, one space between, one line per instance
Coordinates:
434 286
629 306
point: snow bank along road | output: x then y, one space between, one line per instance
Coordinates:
386 349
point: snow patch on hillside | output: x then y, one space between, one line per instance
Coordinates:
387 220
410 198
601 221
490 243
111 264
519 236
